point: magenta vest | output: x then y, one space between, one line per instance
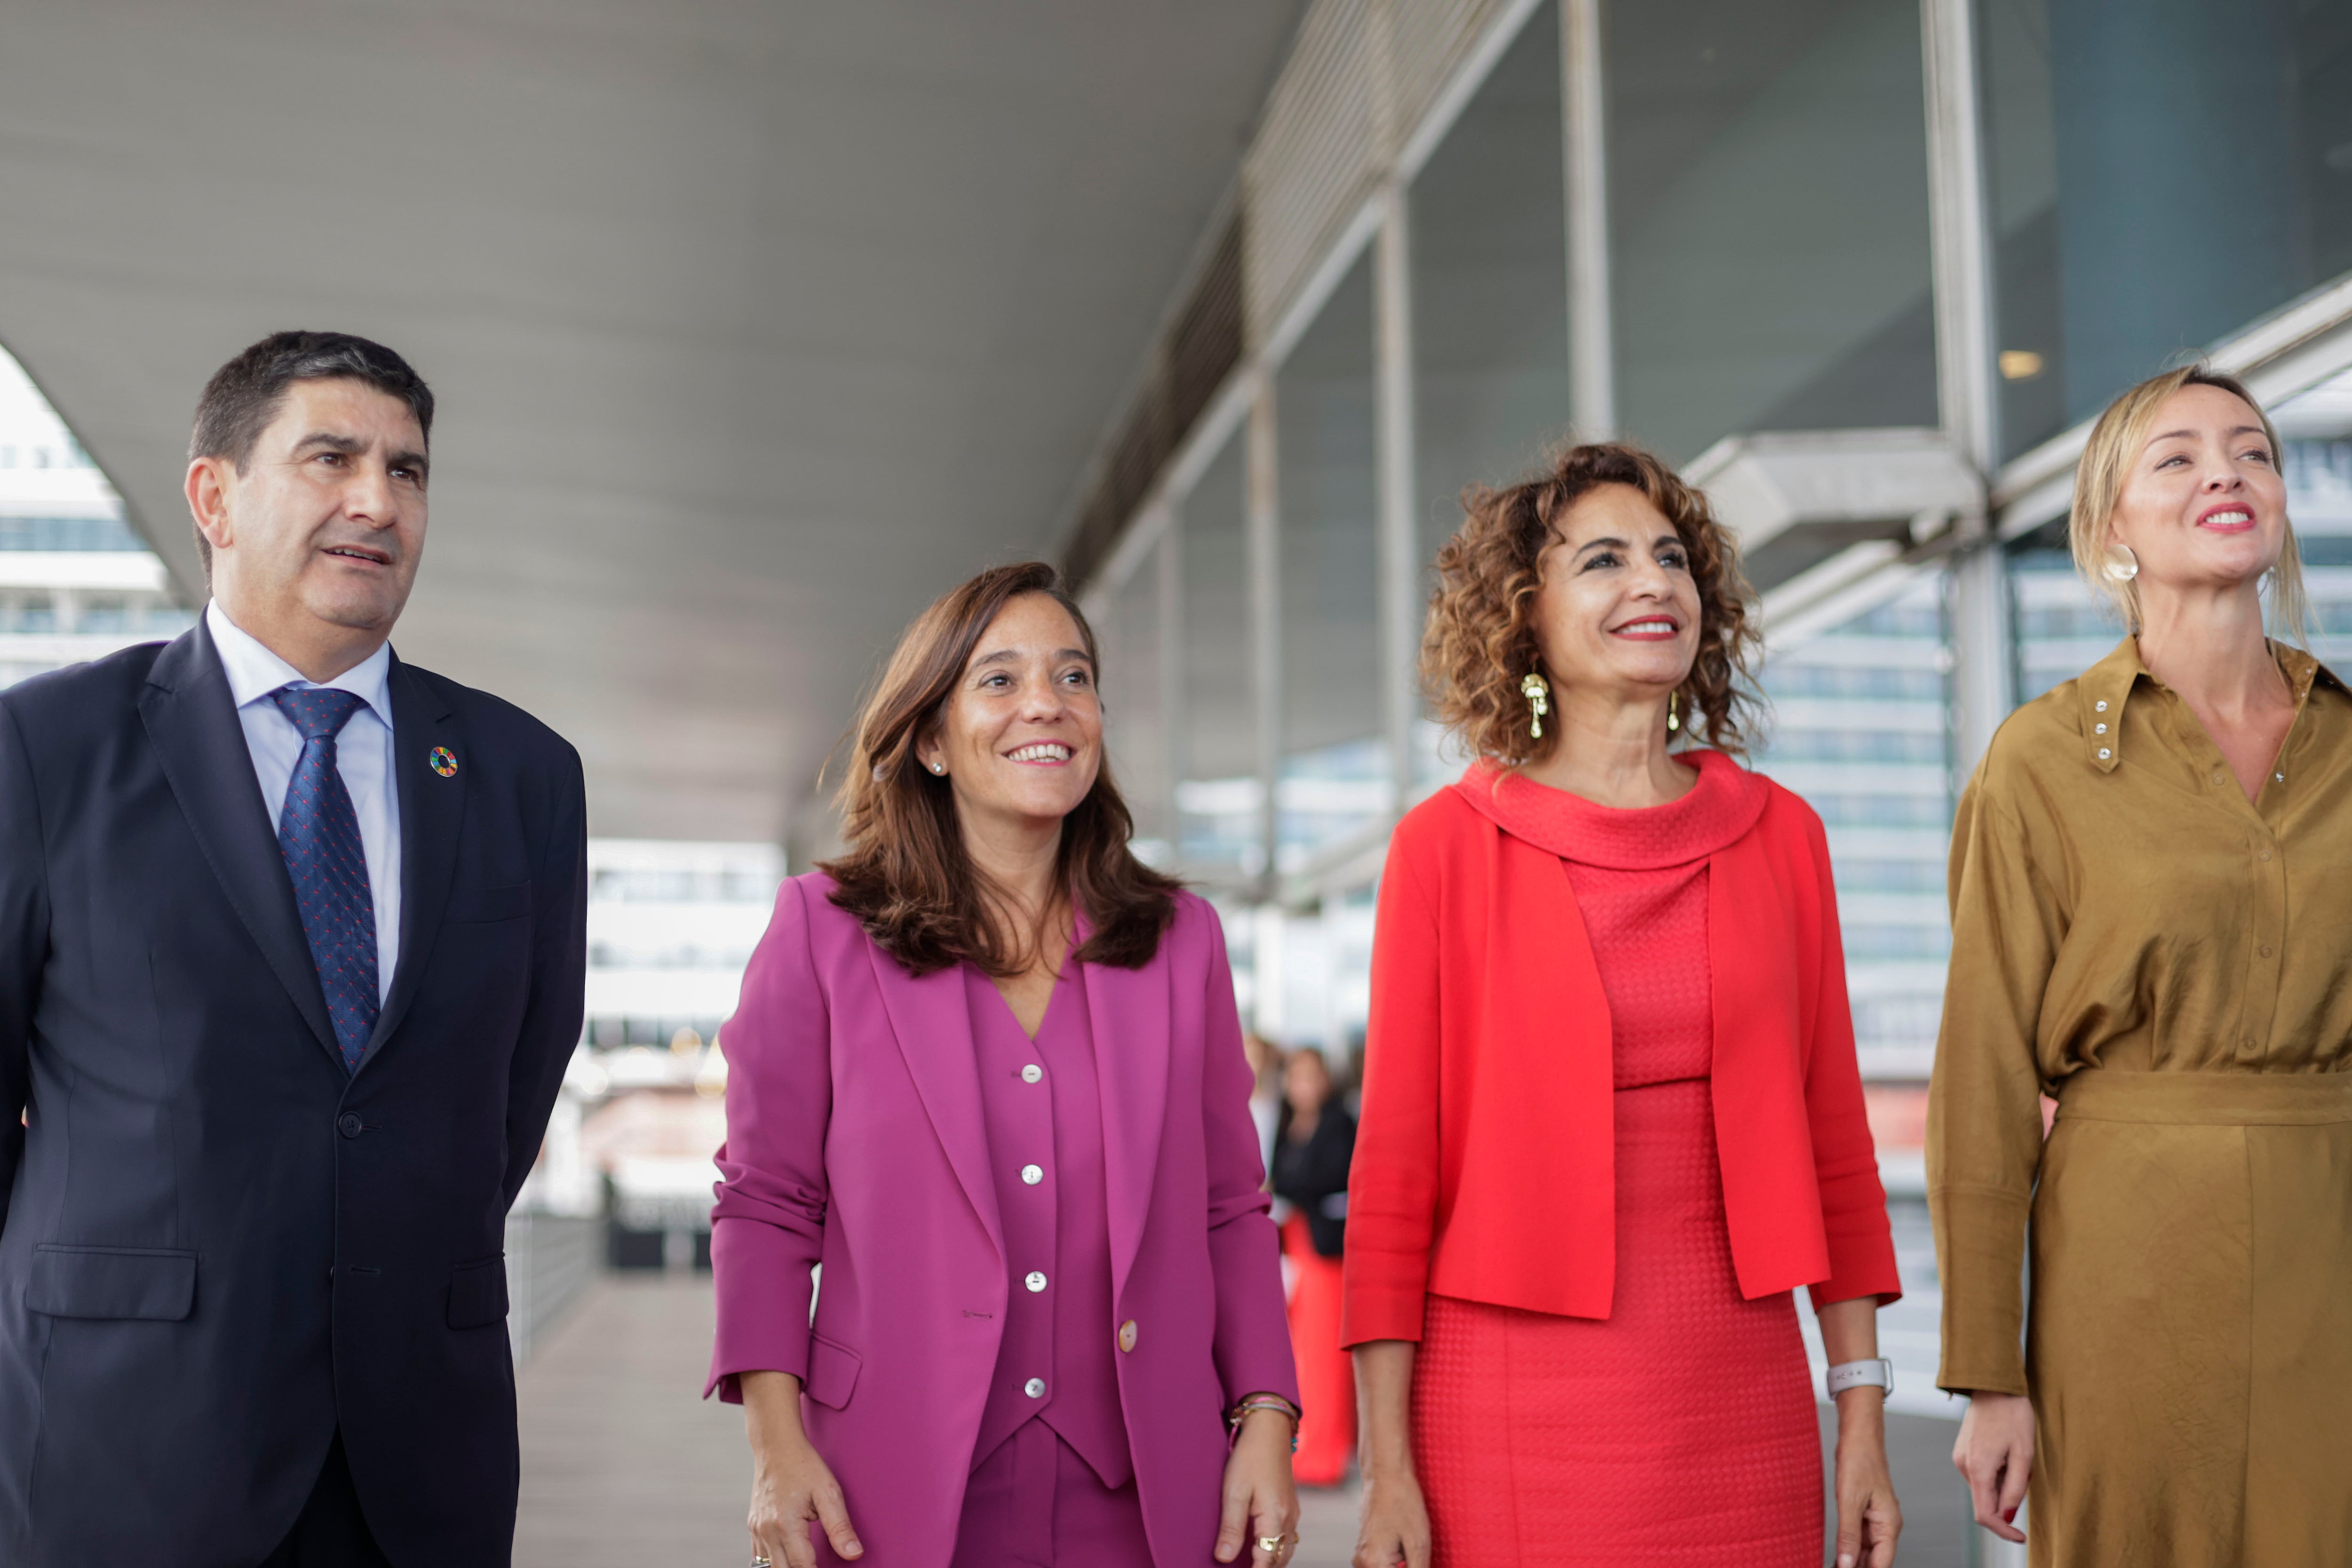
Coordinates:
1042 1108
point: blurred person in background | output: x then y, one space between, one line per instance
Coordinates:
1266 1099
2151 886
1317 1138
1612 1116
292 941
988 1070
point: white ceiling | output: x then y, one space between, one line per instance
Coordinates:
754 325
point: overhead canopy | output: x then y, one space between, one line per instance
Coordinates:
754 325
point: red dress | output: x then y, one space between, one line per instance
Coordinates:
1679 1427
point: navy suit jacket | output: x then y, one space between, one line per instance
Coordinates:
217 1247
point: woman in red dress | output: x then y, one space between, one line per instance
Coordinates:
1611 1116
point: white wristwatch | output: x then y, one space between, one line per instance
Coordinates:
1879 1374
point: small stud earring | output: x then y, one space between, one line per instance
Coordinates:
938 767
2119 564
1672 722
1537 691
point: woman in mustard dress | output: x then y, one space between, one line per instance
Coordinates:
2152 925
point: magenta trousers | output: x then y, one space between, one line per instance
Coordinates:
1035 1503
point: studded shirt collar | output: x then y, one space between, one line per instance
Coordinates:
2108 685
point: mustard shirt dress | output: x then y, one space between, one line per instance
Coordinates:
2171 963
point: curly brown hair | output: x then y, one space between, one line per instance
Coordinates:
907 875
1480 641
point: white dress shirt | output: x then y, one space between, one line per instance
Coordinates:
363 755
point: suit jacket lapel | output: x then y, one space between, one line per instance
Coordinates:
1128 1012
432 813
933 1025
192 721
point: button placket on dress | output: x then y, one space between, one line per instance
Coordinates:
2268 937
2266 905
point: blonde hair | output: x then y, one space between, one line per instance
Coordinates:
2106 465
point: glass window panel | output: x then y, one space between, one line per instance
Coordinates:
1490 286
1490 302
1860 727
1767 195
1216 760
1135 725
2162 173
1334 782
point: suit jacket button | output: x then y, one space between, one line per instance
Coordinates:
1126 1335
348 1124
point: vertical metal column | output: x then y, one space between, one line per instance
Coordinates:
1175 714
1960 230
1960 227
1263 555
1592 354
1397 546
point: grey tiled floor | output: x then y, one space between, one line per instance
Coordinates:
621 1465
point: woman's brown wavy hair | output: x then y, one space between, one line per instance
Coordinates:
907 875
1480 641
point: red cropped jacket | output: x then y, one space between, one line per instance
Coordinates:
1484 1161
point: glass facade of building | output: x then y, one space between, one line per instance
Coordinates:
1738 218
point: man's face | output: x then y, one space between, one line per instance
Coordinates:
328 519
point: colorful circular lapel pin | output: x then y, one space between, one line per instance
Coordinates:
443 761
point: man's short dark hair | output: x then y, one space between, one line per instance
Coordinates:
245 394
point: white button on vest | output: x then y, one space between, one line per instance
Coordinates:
1035 1281
1033 1174
1034 1388
1032 1073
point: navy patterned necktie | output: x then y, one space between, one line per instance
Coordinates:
318 834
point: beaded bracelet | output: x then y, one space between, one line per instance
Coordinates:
1275 1402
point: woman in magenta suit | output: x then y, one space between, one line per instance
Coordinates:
988 1072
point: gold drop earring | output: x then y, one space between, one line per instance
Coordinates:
1537 692
1672 722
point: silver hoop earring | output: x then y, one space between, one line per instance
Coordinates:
2118 563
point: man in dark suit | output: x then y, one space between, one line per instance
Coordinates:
291 945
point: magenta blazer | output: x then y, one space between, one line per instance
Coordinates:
854 1139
